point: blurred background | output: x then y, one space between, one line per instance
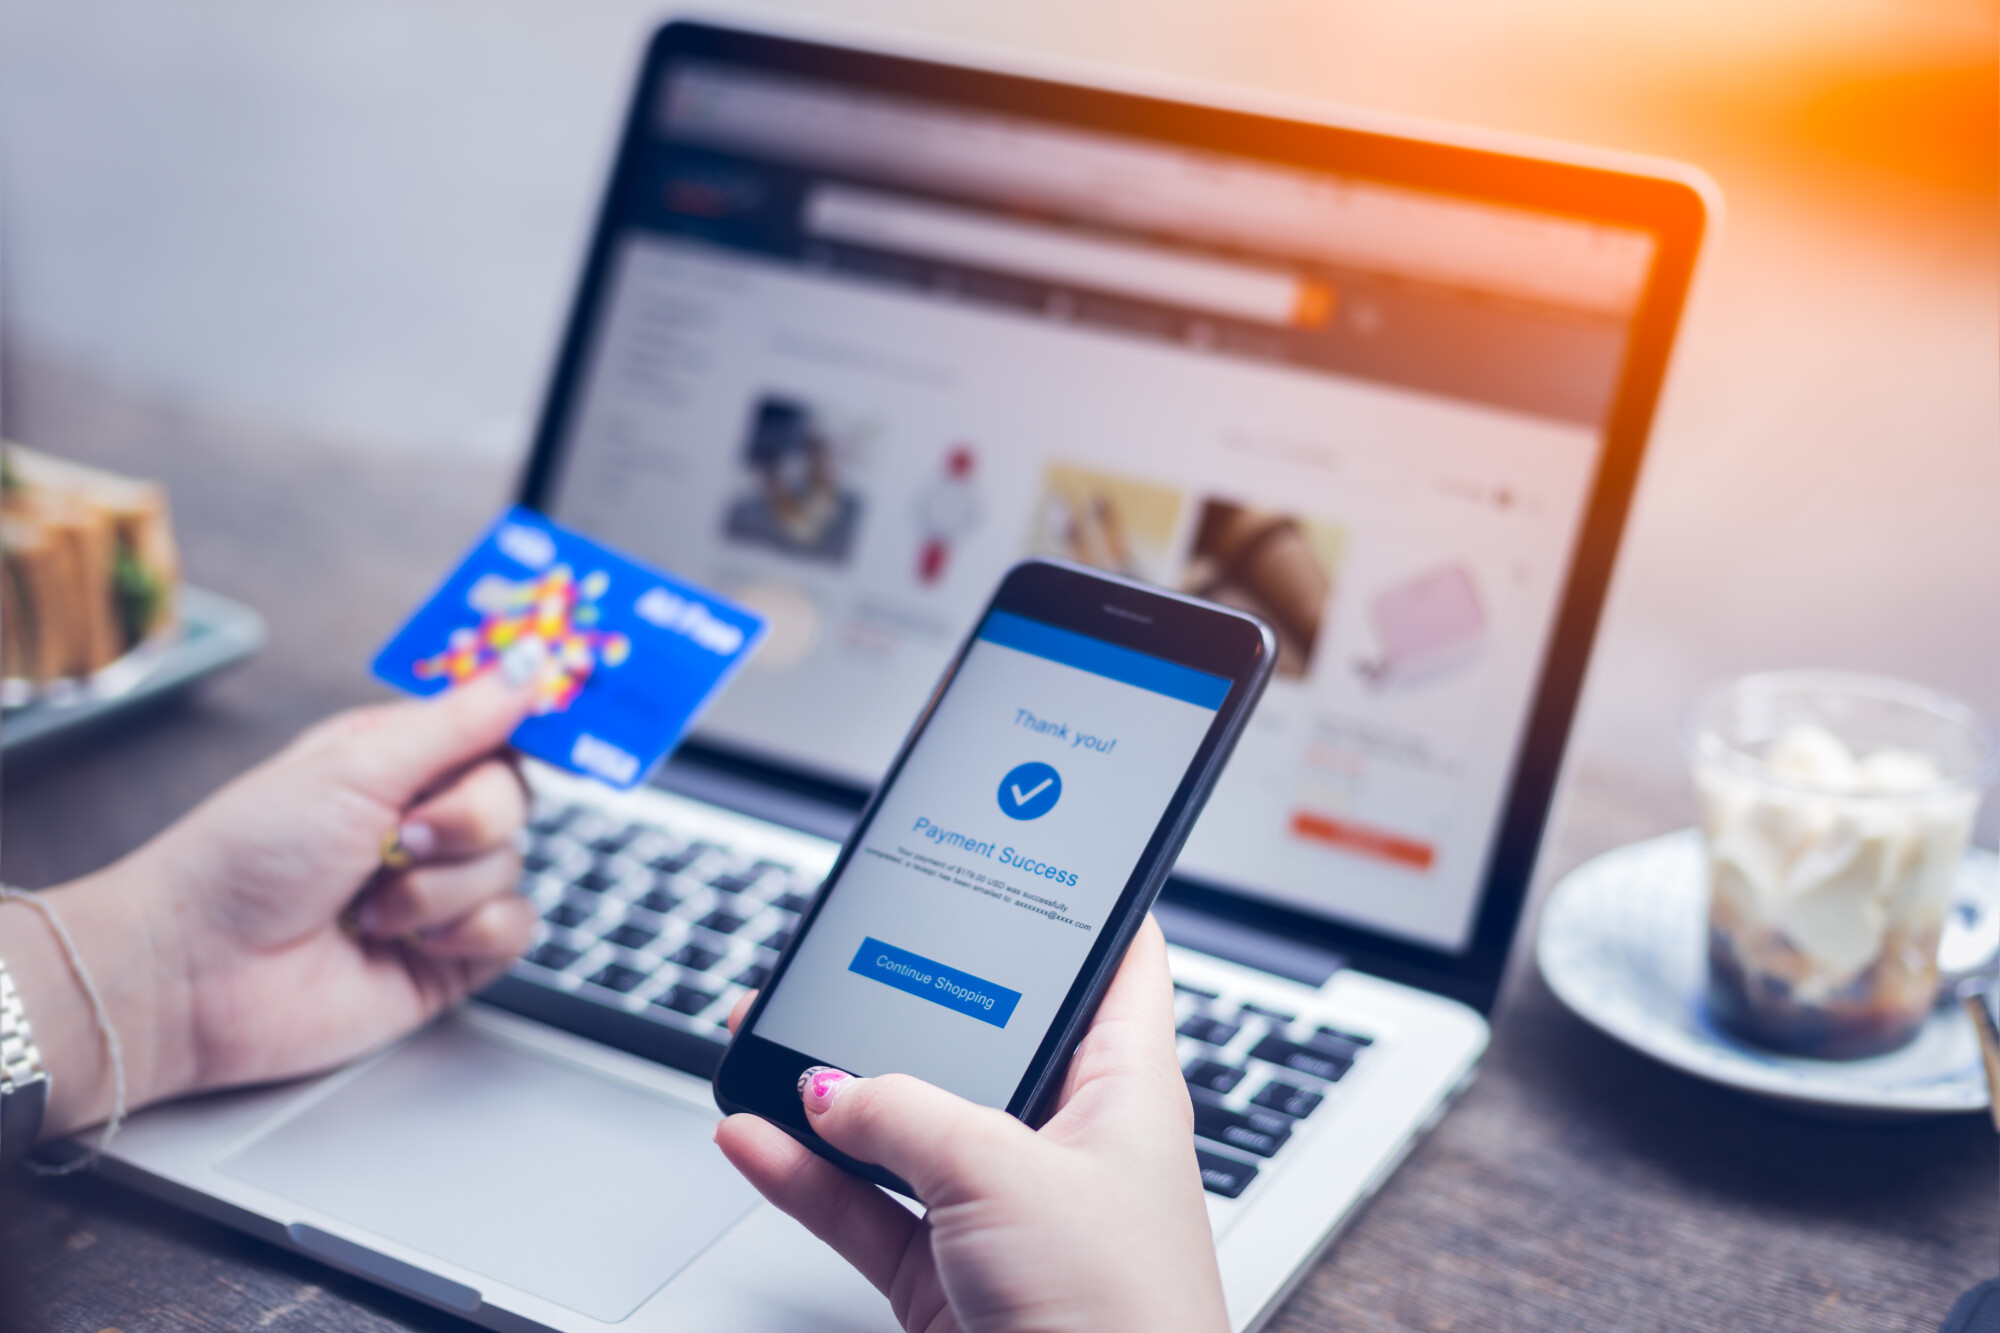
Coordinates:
356 223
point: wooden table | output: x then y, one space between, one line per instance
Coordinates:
1577 1186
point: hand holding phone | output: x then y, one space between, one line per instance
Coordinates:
1096 1221
973 920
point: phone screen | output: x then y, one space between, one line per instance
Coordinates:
961 920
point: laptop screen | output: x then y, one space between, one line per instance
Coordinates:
854 353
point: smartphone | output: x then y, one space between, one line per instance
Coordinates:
976 914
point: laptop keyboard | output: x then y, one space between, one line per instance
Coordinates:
1255 1074
640 918
636 917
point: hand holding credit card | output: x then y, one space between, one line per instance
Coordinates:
623 657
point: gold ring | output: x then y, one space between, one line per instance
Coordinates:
395 856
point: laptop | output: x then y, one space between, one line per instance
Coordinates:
859 329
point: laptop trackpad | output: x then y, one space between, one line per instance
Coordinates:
574 1186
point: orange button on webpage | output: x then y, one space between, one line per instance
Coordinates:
1363 840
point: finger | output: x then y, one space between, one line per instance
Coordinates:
443 980
498 928
1126 1074
1134 1025
481 810
1144 983
946 1147
862 1224
740 1008
398 750
431 896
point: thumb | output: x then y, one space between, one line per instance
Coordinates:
943 1145
399 750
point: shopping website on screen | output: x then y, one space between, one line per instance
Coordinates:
854 407
956 930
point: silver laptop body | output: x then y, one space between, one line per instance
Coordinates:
1011 314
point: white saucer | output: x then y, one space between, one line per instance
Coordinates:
1623 943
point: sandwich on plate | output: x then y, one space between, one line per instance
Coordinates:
88 569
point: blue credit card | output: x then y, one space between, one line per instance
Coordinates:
624 658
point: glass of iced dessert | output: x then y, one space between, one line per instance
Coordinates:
1836 809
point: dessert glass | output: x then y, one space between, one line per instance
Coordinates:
1836 809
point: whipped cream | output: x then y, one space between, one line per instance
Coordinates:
1825 855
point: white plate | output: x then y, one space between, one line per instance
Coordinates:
1623 942
215 632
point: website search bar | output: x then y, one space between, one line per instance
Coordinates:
964 236
1256 206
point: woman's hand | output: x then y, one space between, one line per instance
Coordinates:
323 903
1096 1221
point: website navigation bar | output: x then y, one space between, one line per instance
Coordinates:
1017 162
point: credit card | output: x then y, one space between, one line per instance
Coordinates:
624 658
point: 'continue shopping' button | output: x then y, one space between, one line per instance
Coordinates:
919 976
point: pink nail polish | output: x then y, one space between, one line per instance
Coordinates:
819 1085
418 838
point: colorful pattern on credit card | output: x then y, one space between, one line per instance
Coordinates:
544 626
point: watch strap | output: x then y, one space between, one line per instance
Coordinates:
24 1083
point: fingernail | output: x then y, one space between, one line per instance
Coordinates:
520 663
819 1085
417 838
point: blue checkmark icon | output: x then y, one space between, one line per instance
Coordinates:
1030 791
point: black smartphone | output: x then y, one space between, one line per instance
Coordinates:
979 909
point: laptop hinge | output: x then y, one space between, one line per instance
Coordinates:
747 796
1235 942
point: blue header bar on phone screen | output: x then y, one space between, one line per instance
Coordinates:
1126 665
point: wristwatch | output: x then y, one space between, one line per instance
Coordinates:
24 1084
